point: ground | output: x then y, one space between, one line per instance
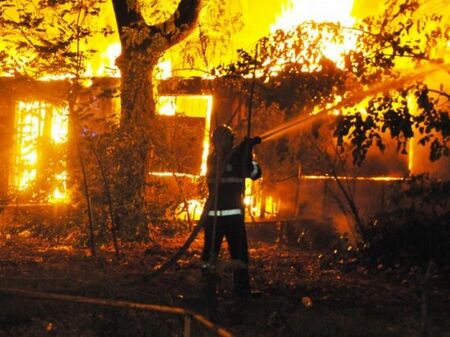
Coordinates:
299 295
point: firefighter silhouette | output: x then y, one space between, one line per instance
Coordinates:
228 167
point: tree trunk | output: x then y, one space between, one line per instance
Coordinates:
142 46
138 103
137 120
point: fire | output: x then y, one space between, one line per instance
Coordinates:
254 198
163 70
35 122
190 106
59 193
295 13
190 210
327 177
319 11
107 65
166 105
298 11
412 106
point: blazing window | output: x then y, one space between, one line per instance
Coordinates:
186 121
39 172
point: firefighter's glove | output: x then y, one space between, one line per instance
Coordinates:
253 141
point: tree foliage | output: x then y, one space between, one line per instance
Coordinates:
48 38
295 76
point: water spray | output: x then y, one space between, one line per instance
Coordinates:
355 97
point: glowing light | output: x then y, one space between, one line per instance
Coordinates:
60 124
166 105
319 11
298 11
163 70
176 174
32 128
112 53
191 106
206 135
413 108
191 210
30 125
252 200
327 177
271 207
60 192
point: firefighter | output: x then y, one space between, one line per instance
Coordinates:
229 166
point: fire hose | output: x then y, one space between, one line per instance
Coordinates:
292 126
212 198
210 201
352 99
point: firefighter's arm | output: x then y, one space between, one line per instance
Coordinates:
253 170
253 141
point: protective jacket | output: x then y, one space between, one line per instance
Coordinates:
237 166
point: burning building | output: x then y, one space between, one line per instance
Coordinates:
34 122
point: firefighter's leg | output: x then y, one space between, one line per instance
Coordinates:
211 249
207 240
237 242
213 240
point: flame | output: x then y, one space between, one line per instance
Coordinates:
189 106
252 202
413 108
60 192
319 11
298 11
113 51
163 70
29 121
327 177
254 198
166 106
206 136
190 210
176 174
31 126
60 124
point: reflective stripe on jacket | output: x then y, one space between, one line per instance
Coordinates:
232 184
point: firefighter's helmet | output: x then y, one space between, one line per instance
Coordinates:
223 137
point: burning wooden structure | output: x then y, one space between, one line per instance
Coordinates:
34 124
34 117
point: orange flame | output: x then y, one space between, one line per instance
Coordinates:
319 11
31 126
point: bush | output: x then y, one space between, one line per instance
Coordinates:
417 227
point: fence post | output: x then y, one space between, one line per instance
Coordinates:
187 326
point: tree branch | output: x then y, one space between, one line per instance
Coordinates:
441 93
125 16
174 29
181 23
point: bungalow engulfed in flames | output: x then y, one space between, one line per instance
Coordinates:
34 124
